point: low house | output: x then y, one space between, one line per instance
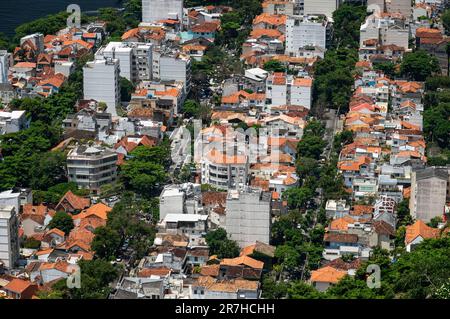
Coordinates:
417 232
325 277
71 203
206 287
34 219
20 289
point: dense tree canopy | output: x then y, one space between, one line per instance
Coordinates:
62 221
419 65
220 245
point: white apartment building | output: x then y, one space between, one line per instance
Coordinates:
279 7
91 166
172 66
11 122
326 7
156 10
135 59
385 31
224 171
403 7
284 89
101 82
248 216
171 201
9 236
306 31
428 193
5 63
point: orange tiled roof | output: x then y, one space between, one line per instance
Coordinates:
77 202
271 33
341 223
428 33
359 210
327 274
18 285
354 165
303 82
270 19
100 210
243 260
130 34
25 65
419 228
206 27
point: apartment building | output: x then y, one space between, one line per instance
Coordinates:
383 31
306 31
404 7
279 7
192 225
326 7
135 59
282 89
224 171
101 83
157 10
91 166
169 65
248 216
5 62
428 192
180 199
9 236
11 122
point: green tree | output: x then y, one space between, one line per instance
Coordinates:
274 66
62 221
298 197
126 89
191 108
445 18
220 245
419 65
301 290
106 242
311 146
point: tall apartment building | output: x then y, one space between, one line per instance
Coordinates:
172 66
101 82
156 10
282 89
224 171
11 122
91 166
9 236
326 7
428 192
384 31
135 59
403 7
5 63
248 216
306 31
286 7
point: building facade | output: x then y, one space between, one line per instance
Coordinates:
135 59
306 31
428 193
157 10
248 216
9 237
91 166
101 83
